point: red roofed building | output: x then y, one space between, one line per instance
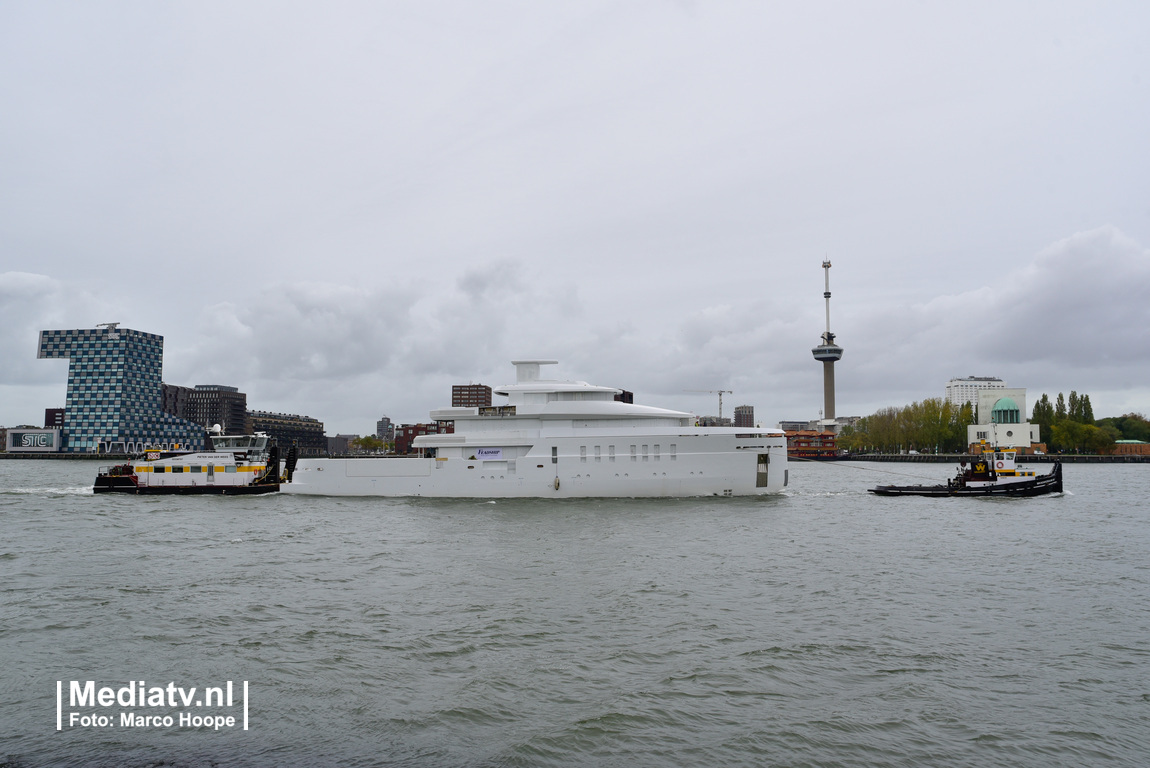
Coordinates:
810 444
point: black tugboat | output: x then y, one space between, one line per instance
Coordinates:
994 473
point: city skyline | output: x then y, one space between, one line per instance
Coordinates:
965 389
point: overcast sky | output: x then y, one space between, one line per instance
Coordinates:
343 208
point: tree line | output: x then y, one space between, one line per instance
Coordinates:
1066 425
368 444
934 425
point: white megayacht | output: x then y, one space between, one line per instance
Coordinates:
562 439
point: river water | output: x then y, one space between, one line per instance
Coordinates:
822 627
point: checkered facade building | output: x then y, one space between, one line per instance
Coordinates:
114 400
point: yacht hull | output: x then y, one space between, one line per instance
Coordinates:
705 466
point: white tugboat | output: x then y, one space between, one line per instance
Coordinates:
562 439
237 464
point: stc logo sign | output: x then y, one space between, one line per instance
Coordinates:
33 439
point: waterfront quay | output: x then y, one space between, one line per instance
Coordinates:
925 458
1036 458
105 457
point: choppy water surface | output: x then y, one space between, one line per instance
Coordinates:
825 627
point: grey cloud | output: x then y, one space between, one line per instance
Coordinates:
1065 317
30 303
1089 291
298 332
27 301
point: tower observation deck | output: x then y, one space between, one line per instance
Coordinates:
828 352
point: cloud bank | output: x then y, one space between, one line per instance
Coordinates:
1057 321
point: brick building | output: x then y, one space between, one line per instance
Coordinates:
811 444
470 395
745 416
1131 448
211 404
405 433
305 432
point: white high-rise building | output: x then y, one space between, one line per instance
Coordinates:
960 391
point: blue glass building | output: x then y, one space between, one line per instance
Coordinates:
115 400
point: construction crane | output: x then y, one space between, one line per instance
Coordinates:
719 392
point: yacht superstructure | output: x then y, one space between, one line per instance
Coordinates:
562 439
